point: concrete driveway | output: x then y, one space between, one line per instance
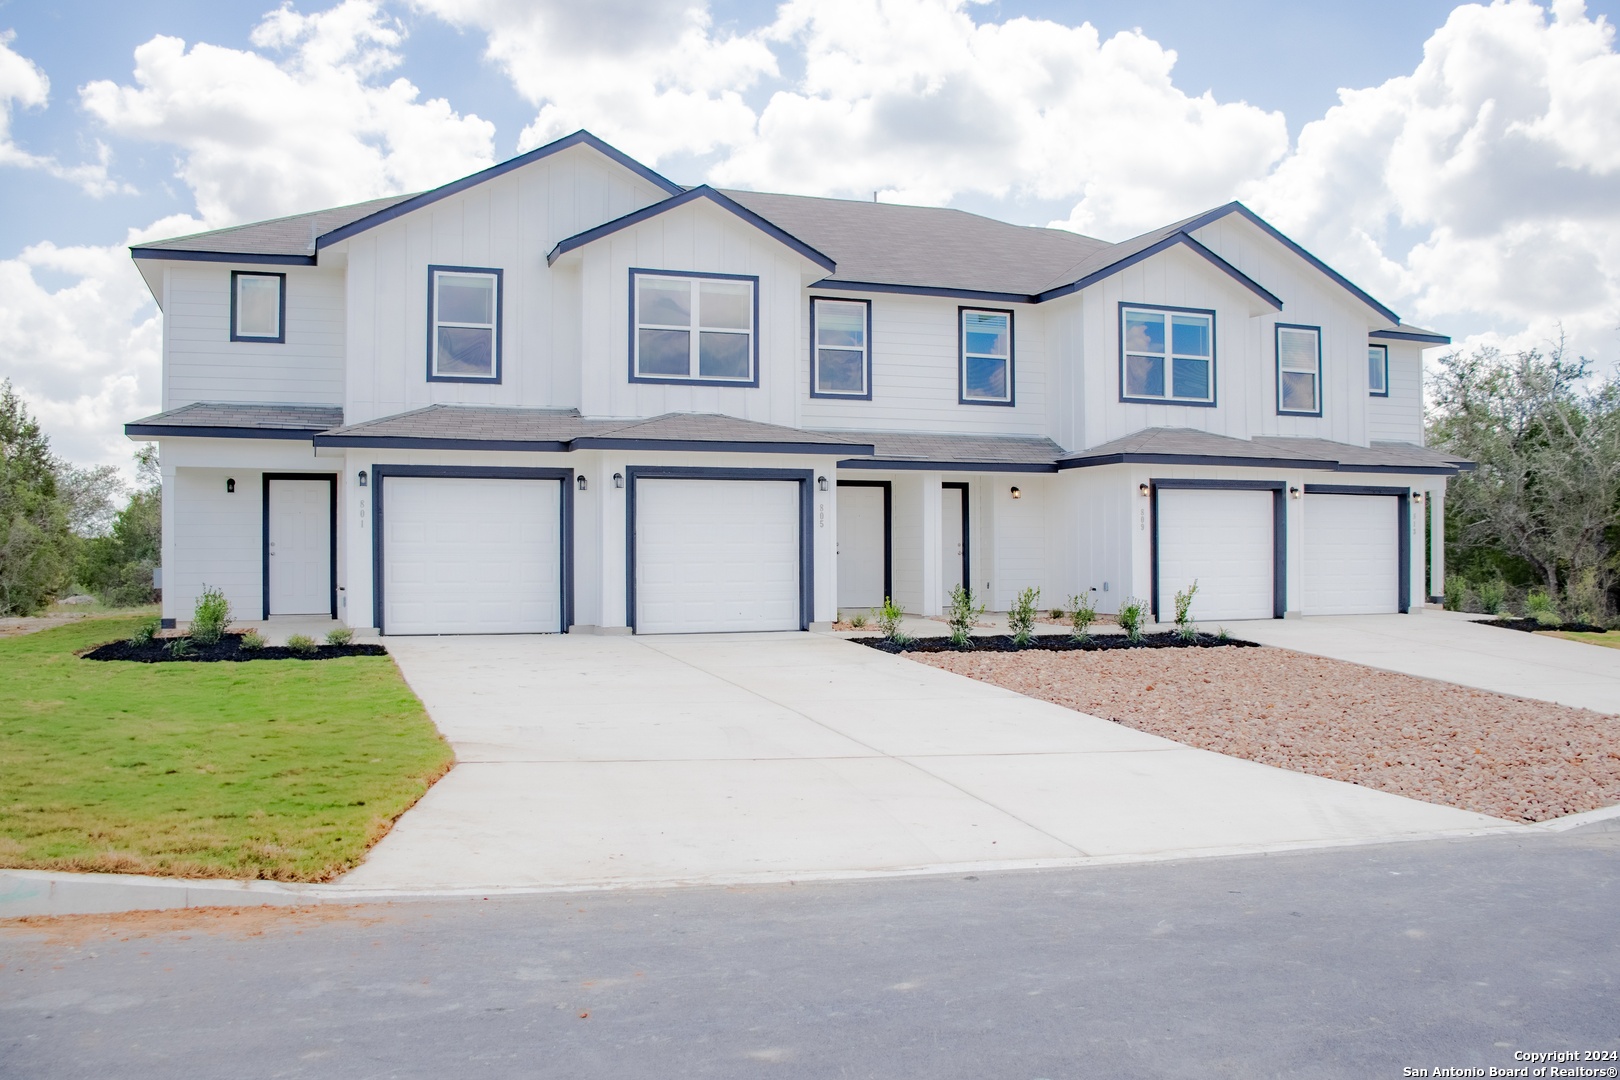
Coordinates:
1453 648
591 761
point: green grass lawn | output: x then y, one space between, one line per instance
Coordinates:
279 769
1610 640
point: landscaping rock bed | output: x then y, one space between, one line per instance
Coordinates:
1531 626
229 648
1003 643
1504 756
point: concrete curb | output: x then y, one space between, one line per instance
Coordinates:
50 893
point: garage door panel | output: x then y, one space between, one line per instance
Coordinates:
717 556
472 556
1352 554
1225 541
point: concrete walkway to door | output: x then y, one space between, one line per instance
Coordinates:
1453 648
600 761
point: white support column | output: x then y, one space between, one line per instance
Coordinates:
933 580
1435 502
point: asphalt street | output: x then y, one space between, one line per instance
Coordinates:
1355 962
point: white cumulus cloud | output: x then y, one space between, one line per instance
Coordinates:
23 83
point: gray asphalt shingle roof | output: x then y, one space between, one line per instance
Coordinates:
1173 445
292 235
221 415
916 446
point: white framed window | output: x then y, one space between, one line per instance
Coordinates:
258 307
1378 370
840 348
464 324
694 328
986 371
1299 370
1166 355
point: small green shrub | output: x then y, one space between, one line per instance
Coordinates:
1456 593
211 616
1185 630
302 645
341 636
1021 619
1082 613
1586 599
1492 596
1222 636
1057 614
1132 613
964 613
1540 607
858 620
889 617
180 647
145 632
252 641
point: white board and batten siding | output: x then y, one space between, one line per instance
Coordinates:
218 541
202 363
1399 417
510 222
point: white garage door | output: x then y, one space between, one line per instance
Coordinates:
1352 554
716 556
471 556
1224 540
860 547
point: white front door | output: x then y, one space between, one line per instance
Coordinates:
300 547
861 547
717 556
1352 554
1223 540
952 540
466 555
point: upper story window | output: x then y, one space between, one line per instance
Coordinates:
1299 370
464 324
258 307
986 370
1378 370
841 348
694 328
1167 355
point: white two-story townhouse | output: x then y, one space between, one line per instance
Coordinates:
566 393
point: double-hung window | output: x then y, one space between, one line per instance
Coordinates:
694 328
986 370
258 307
1299 370
1378 370
841 348
1167 355
464 324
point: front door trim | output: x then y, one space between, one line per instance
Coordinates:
264 542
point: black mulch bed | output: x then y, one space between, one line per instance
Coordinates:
229 647
1057 643
1530 626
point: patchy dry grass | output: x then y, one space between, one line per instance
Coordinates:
283 771
1609 640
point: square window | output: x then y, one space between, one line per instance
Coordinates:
1168 355
987 357
1299 370
464 311
1378 370
840 355
692 328
258 307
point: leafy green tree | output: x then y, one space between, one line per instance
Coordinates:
118 567
37 546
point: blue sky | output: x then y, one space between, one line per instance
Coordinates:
1477 191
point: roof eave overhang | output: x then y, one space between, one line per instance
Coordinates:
197 431
415 442
717 446
180 255
1222 460
948 466
1176 239
1408 335
981 295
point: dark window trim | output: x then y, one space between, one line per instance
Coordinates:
967 534
565 523
664 380
1119 331
1385 391
961 357
281 316
815 350
1403 527
434 270
888 529
1276 356
264 539
1279 532
805 478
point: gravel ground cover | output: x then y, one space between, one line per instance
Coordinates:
1505 756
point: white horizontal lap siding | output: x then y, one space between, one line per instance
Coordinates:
1352 554
511 223
1399 417
717 556
1225 542
202 363
915 361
